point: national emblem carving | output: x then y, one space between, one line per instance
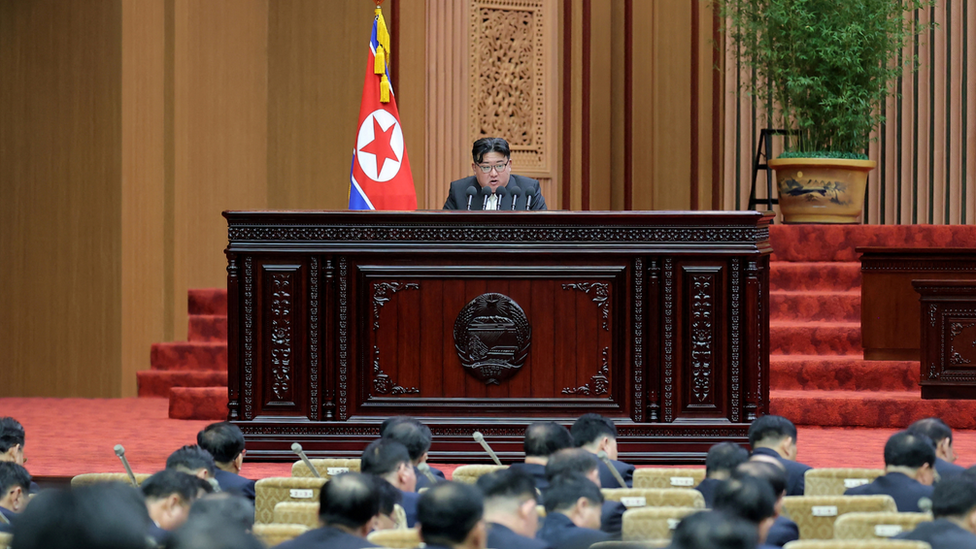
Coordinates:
492 336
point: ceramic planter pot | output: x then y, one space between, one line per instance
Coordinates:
821 190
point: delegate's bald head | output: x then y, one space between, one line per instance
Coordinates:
450 513
349 500
571 461
544 438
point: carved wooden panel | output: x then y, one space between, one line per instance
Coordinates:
282 298
948 344
703 390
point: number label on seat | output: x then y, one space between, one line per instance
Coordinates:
333 471
638 501
673 523
682 481
887 530
855 482
824 510
301 493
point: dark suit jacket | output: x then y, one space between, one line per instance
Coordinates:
946 469
326 538
906 491
502 537
558 531
941 534
6 525
235 484
612 518
409 504
626 470
157 534
457 199
536 471
423 481
707 488
782 532
794 471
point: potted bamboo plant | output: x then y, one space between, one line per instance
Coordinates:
827 66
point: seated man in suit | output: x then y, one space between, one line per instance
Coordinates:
225 442
783 529
751 499
595 433
169 495
954 509
493 185
389 460
12 437
775 436
909 473
941 435
721 460
450 515
573 505
542 439
14 487
510 501
416 437
711 530
577 461
348 505
192 460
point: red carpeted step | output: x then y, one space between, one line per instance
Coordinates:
198 403
185 355
157 383
841 373
815 275
815 338
868 409
207 301
815 305
837 242
210 328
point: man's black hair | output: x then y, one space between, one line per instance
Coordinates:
349 500
191 458
714 530
724 456
590 427
955 498
932 427
486 145
574 461
415 436
384 456
507 484
447 512
212 536
565 490
223 508
389 495
747 497
772 428
11 433
223 440
168 482
905 449
13 475
773 473
545 438
391 421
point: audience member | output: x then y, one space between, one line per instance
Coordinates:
783 529
14 487
573 505
416 437
954 509
909 473
775 436
542 439
225 442
714 530
390 460
577 461
751 499
450 515
223 508
348 506
12 437
169 495
510 509
941 436
200 535
389 499
192 460
721 460
594 433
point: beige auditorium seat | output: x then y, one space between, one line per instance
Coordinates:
326 467
273 534
668 477
633 498
857 544
833 482
647 523
815 515
396 539
293 512
6 539
271 491
469 474
93 478
877 525
643 544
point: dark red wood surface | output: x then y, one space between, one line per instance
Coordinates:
948 346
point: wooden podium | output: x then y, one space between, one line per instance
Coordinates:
487 321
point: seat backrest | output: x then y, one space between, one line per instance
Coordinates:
396 539
469 474
271 491
647 523
815 515
6 538
273 534
326 467
833 482
293 512
857 544
92 478
877 525
633 498
668 477
643 544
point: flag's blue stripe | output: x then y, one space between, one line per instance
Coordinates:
357 198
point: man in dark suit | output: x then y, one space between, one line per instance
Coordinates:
348 505
577 461
12 439
573 507
954 509
721 460
775 436
941 436
510 501
493 183
542 439
595 433
909 473
14 489
416 437
389 460
751 499
225 442
783 530
169 495
450 515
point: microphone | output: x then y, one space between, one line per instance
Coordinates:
485 192
297 448
425 469
502 193
516 193
613 470
480 439
470 192
120 451
529 195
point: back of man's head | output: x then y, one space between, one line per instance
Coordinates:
714 530
415 436
11 434
198 535
506 489
168 482
590 428
773 473
749 498
575 461
383 457
955 499
223 440
191 459
767 430
565 490
13 476
448 512
544 438
349 500
905 449
932 427
223 508
723 458
391 421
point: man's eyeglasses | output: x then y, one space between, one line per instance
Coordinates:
486 168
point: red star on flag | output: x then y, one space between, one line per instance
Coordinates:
380 145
